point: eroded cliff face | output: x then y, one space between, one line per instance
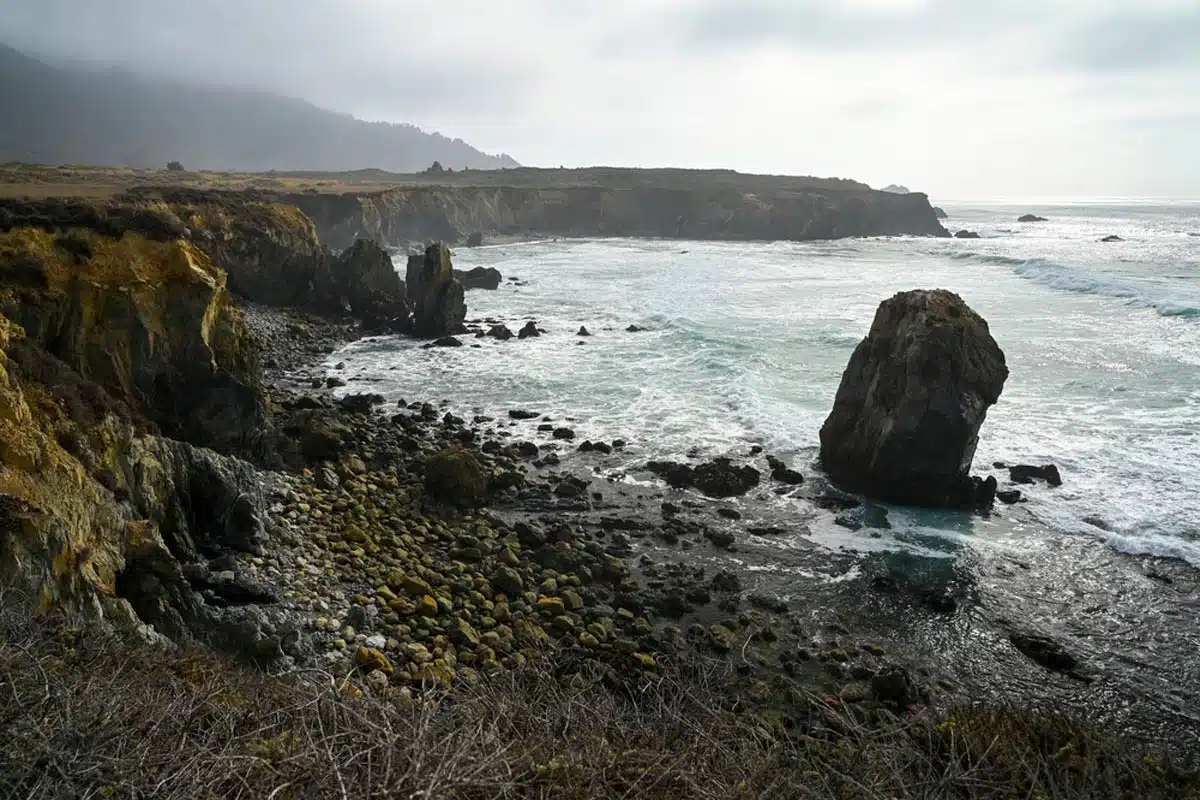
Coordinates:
150 321
99 516
401 217
122 358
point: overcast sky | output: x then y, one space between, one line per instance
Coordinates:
959 98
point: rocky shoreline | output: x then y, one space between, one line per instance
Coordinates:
550 543
177 462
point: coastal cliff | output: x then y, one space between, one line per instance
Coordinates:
398 217
119 354
134 416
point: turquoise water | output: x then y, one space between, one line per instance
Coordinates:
746 343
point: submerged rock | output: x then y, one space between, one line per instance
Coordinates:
905 422
1112 238
1030 218
718 478
966 235
1046 652
434 295
530 329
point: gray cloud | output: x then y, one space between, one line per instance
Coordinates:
841 27
957 97
1154 40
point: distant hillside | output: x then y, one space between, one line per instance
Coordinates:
61 116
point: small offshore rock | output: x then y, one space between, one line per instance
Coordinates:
500 332
787 475
1026 474
479 278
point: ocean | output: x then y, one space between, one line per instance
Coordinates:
745 343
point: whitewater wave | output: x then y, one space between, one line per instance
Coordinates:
1157 546
1074 279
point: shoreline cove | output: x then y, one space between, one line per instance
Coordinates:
217 439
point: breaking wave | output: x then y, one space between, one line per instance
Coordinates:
1074 279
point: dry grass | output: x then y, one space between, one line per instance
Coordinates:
86 716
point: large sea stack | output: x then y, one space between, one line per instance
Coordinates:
906 418
434 294
363 281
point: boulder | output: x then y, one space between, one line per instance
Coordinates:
966 235
583 331
434 295
1030 218
479 278
454 477
939 212
530 329
719 478
475 239
906 418
360 403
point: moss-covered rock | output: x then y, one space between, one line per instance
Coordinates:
454 477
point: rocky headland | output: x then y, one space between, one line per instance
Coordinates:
677 204
177 467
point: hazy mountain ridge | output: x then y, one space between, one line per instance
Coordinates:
72 116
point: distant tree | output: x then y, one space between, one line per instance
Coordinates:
174 166
436 167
